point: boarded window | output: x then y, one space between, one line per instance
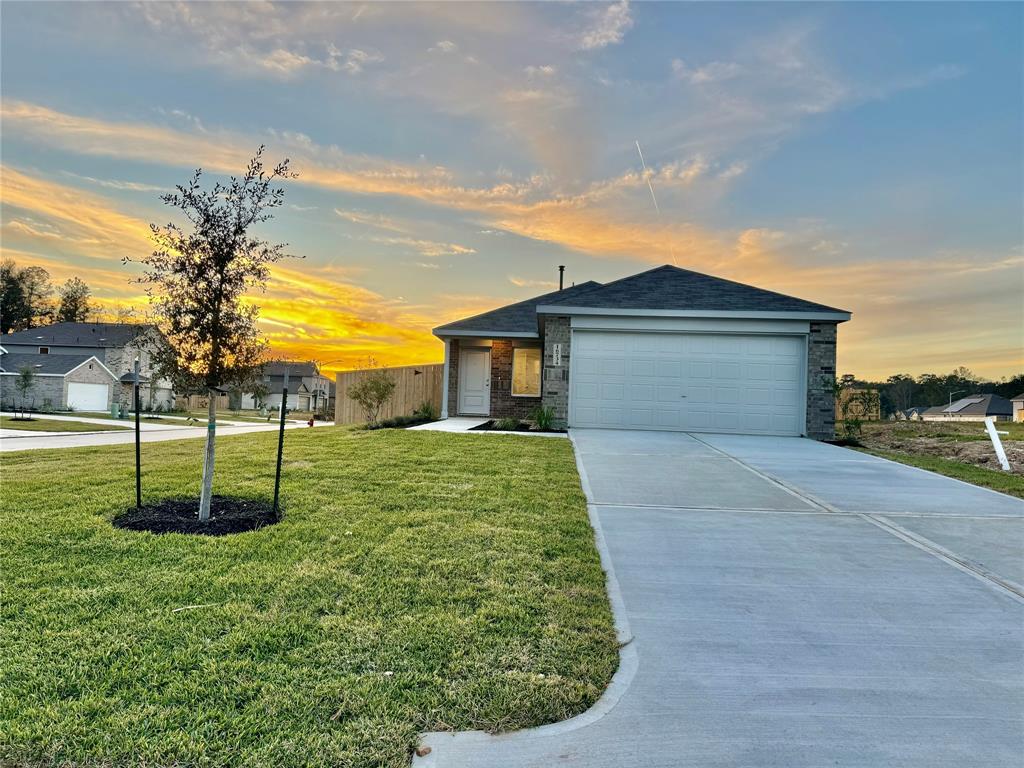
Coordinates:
526 372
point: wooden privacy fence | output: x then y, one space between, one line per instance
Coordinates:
414 384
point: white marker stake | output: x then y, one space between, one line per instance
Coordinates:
990 425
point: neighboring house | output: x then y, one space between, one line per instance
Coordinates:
666 349
308 389
909 414
116 345
1018 407
60 382
972 408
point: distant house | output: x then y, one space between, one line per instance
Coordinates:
308 389
911 414
113 345
972 408
1018 407
60 382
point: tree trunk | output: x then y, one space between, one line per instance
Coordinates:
211 429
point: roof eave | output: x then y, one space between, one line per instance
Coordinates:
832 316
441 333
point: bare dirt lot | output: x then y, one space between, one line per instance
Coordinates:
965 442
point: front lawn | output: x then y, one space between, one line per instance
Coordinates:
42 424
418 581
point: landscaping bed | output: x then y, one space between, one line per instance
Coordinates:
415 583
227 515
512 425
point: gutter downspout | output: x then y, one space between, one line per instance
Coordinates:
444 379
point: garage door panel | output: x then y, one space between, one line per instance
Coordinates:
88 397
744 383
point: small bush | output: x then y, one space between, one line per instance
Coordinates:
543 417
507 424
372 393
427 411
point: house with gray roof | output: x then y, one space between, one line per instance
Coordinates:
972 408
665 349
59 382
115 345
308 389
1018 407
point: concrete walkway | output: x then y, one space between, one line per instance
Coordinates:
151 433
466 425
788 603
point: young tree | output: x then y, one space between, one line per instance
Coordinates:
372 393
24 382
197 279
74 302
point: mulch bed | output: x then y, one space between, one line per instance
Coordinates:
227 515
492 426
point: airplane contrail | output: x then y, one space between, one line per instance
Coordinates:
654 199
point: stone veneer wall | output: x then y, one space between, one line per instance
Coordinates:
821 371
555 378
503 404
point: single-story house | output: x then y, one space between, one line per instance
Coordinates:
666 349
972 408
116 345
60 382
1018 407
911 414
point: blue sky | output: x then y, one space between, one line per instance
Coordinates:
868 156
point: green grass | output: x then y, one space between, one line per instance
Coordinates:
466 570
970 473
42 424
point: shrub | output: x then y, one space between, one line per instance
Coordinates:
395 422
543 417
427 411
507 424
372 393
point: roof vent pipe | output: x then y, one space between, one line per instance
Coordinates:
561 275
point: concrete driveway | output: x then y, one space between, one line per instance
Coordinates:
789 603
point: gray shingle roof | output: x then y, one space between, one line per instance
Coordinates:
1018 397
520 317
295 368
975 405
101 335
673 288
59 364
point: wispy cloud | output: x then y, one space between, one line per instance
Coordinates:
607 26
522 282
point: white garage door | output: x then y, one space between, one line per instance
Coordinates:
88 397
748 384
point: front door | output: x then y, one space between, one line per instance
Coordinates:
475 382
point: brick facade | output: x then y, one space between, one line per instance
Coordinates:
503 404
555 378
453 377
821 371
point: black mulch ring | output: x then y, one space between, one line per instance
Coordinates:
227 515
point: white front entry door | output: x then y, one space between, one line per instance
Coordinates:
475 382
691 382
88 397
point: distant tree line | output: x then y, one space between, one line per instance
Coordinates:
28 299
902 391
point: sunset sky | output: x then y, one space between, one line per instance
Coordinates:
866 156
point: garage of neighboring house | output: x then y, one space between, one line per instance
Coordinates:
665 349
59 382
